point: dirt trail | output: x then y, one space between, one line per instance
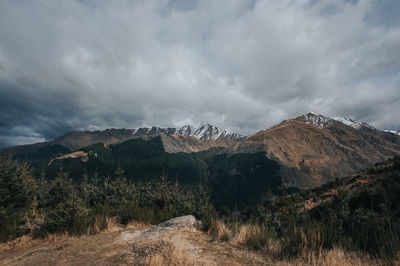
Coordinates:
122 246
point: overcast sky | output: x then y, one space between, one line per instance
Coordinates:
241 65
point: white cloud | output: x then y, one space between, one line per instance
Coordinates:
241 66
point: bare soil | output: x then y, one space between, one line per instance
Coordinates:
118 247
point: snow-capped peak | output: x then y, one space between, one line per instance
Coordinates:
186 130
317 119
325 121
351 123
205 131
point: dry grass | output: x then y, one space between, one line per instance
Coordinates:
335 257
251 235
157 253
101 224
174 248
176 257
29 240
255 236
218 231
134 225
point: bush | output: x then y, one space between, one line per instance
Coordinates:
64 210
359 226
17 197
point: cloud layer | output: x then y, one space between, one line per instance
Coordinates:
243 65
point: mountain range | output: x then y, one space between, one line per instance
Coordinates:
200 136
310 149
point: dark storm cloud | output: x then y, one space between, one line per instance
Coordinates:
242 65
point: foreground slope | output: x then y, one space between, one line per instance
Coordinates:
126 246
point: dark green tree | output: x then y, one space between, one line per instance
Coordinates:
64 209
17 196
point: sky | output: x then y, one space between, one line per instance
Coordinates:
242 65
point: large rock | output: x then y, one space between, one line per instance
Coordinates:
185 223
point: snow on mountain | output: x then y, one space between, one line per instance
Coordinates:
204 131
187 130
325 121
351 123
397 132
317 119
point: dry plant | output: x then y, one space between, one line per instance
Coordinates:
175 257
252 235
135 225
335 257
255 236
162 253
102 223
218 231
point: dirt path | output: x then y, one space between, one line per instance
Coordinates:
127 247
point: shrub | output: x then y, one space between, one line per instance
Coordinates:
17 197
64 210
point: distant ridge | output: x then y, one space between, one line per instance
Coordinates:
204 131
76 140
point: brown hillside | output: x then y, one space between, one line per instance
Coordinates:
179 143
311 155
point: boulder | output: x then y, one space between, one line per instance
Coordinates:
185 223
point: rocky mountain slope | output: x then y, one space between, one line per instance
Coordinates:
314 149
204 132
184 139
311 149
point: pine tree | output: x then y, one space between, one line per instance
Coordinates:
64 209
17 196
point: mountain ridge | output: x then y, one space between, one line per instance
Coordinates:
314 149
204 132
311 149
208 136
326 121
